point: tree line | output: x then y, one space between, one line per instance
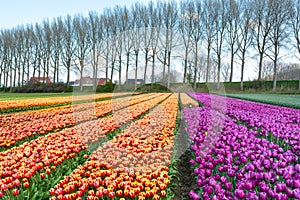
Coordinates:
200 32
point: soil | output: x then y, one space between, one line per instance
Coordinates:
186 177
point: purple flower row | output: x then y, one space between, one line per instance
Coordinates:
282 123
232 163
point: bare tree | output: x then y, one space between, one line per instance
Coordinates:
56 47
225 71
245 37
155 21
263 23
209 18
95 32
127 40
82 43
197 32
220 27
280 13
296 28
67 44
233 20
185 27
136 37
169 22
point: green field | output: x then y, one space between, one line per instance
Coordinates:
20 96
292 101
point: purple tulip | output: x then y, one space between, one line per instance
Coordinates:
297 193
240 193
199 182
280 187
192 162
228 186
193 195
297 167
248 185
296 183
289 193
231 172
223 179
251 195
263 196
271 193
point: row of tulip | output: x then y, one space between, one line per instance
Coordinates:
231 161
53 120
115 104
187 101
27 104
47 153
92 131
134 164
278 124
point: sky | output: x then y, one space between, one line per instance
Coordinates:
22 12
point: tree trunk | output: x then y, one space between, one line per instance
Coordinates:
81 74
146 65
120 71
15 78
68 76
127 67
112 70
185 64
242 74
11 80
231 65
136 67
153 67
275 73
164 66
260 66
208 64
276 52
169 68
219 71
196 66
106 69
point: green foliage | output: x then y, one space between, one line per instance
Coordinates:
292 101
153 88
283 86
108 87
40 88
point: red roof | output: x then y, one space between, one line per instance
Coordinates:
40 79
89 80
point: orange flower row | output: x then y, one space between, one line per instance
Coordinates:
133 164
26 160
92 131
5 105
54 121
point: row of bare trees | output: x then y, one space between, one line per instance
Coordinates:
200 32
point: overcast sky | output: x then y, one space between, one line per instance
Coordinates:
18 12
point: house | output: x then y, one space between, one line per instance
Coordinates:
88 81
40 80
138 81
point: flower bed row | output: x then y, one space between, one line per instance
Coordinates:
134 164
19 166
238 165
16 105
278 124
55 121
187 101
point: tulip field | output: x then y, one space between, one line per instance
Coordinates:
243 149
125 145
